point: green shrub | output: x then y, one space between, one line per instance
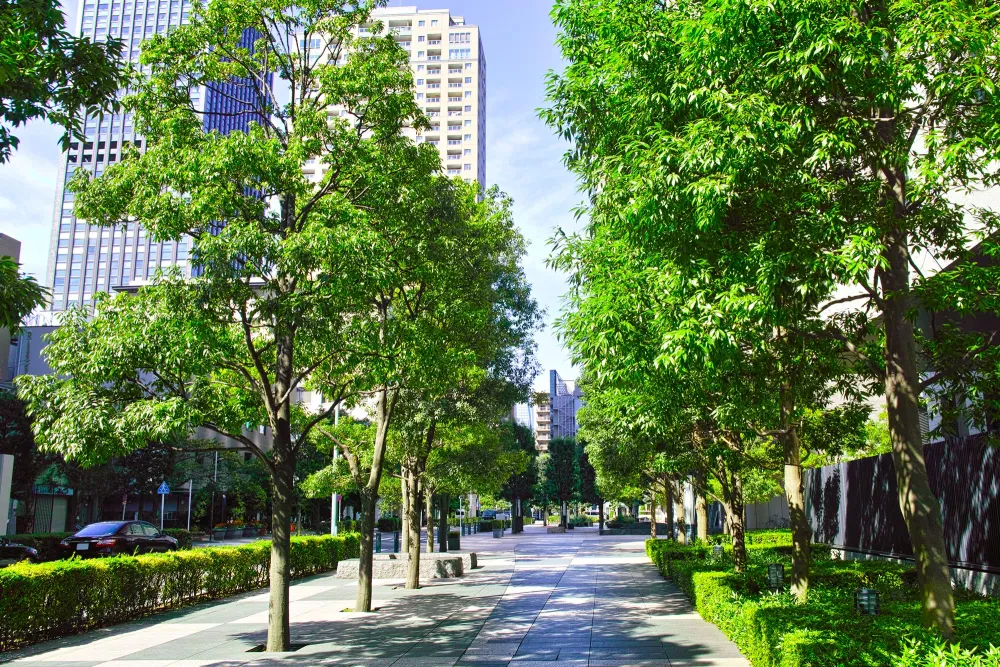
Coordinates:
773 631
182 536
54 599
388 524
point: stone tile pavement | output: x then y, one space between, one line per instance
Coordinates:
537 600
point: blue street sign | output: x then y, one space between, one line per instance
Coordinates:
164 489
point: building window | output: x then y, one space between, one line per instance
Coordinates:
420 24
420 38
420 54
468 107
434 22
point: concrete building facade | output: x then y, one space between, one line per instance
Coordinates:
449 72
555 411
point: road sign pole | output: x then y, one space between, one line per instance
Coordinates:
163 502
334 509
190 487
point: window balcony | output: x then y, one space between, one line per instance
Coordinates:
454 142
433 57
454 85
454 172
433 85
433 42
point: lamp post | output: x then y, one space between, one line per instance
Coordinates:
333 500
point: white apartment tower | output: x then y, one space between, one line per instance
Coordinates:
449 70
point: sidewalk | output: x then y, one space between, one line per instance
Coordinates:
538 599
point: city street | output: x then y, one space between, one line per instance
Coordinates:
536 598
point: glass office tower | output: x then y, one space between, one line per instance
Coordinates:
86 259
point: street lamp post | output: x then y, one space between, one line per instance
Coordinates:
333 499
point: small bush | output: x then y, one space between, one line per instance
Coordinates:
182 536
388 524
624 521
63 597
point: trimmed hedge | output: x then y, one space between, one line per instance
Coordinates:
773 631
63 597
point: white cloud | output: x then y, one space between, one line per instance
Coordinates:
27 194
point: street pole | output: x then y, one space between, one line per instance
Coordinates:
211 508
190 487
333 498
163 502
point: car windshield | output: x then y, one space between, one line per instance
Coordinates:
99 529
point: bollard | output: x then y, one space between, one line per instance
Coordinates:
395 542
378 542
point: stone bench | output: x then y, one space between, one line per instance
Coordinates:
555 529
395 566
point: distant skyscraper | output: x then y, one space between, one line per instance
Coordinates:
555 411
449 70
85 259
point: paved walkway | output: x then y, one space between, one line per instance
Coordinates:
537 599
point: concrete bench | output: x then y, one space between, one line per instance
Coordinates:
394 566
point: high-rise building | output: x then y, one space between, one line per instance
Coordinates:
555 411
85 259
449 71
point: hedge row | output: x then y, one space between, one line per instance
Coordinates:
773 631
63 597
47 544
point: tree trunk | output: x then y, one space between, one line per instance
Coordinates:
545 513
412 532
668 507
363 597
429 502
652 514
404 511
278 631
680 512
701 508
793 495
919 506
735 514
384 405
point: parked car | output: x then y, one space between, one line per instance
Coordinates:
489 515
11 552
116 538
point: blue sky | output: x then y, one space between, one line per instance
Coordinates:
523 156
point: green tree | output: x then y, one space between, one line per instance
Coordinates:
519 487
19 295
563 473
300 284
856 123
45 72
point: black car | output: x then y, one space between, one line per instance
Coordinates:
116 538
11 552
